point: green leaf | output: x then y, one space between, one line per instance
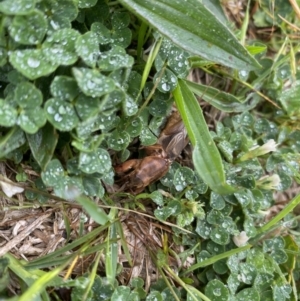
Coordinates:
206 158
28 96
121 293
92 82
96 213
8 114
42 144
215 290
53 174
17 7
118 140
114 59
29 29
32 63
12 140
248 294
103 33
129 106
59 48
190 25
86 3
64 87
31 119
66 9
87 47
96 161
167 82
221 100
61 114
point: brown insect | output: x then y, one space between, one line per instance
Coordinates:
136 174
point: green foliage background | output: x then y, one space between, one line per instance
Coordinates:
78 86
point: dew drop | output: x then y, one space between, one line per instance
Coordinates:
33 63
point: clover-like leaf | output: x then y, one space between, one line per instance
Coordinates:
115 58
32 63
61 114
92 82
11 141
215 290
53 173
29 29
103 33
92 186
167 82
95 161
182 178
42 144
87 47
147 137
8 114
118 140
86 106
66 9
59 48
17 7
86 3
158 107
135 127
220 236
129 106
28 96
32 119
64 87
248 294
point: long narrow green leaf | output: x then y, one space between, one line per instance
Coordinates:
221 100
206 157
97 213
194 28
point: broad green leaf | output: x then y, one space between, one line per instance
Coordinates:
92 82
10 141
96 213
221 100
8 114
29 29
17 7
86 106
289 99
103 33
42 144
59 48
32 63
61 114
206 158
190 25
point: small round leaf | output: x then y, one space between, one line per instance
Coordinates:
29 29
215 290
59 48
166 83
31 120
28 96
61 114
64 87
92 82
32 63
87 47
118 140
8 114
53 174
96 161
